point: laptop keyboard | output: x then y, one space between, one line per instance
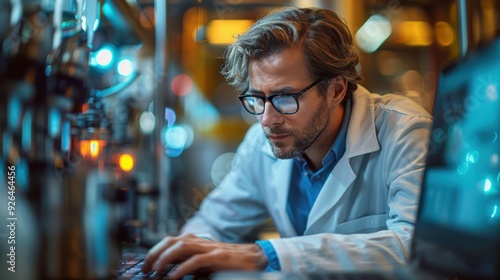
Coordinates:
130 266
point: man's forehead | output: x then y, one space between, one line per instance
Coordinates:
289 62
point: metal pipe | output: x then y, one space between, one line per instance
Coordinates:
161 100
462 27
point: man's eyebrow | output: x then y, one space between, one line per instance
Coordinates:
284 89
253 90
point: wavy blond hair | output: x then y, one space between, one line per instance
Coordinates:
322 34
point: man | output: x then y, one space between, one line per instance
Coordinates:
337 168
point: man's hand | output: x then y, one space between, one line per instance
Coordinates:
194 253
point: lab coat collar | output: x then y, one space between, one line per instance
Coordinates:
362 134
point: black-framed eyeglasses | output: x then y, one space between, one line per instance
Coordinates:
285 103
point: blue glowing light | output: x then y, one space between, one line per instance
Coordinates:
26 131
472 157
104 57
125 67
487 185
54 122
170 117
492 92
176 137
494 211
175 141
173 152
66 136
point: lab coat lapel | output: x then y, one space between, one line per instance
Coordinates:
335 186
361 139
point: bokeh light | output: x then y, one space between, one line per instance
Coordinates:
94 148
126 162
147 122
492 92
494 159
170 117
472 157
177 139
373 33
487 185
103 58
125 67
444 33
221 167
181 85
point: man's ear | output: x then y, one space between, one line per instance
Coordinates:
337 88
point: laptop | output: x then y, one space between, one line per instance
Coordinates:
457 233
458 224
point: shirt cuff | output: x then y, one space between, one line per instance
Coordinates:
272 257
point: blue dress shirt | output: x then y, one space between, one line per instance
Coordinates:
305 186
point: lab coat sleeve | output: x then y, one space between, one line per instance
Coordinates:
403 161
234 210
329 252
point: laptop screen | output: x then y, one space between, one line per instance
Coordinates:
458 227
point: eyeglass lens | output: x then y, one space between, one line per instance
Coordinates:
254 104
283 104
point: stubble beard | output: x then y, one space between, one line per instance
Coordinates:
303 140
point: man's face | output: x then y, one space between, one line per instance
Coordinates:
286 72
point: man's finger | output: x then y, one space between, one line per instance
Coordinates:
194 263
155 252
178 251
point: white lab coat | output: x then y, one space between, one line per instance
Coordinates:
364 215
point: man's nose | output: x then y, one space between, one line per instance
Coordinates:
271 116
